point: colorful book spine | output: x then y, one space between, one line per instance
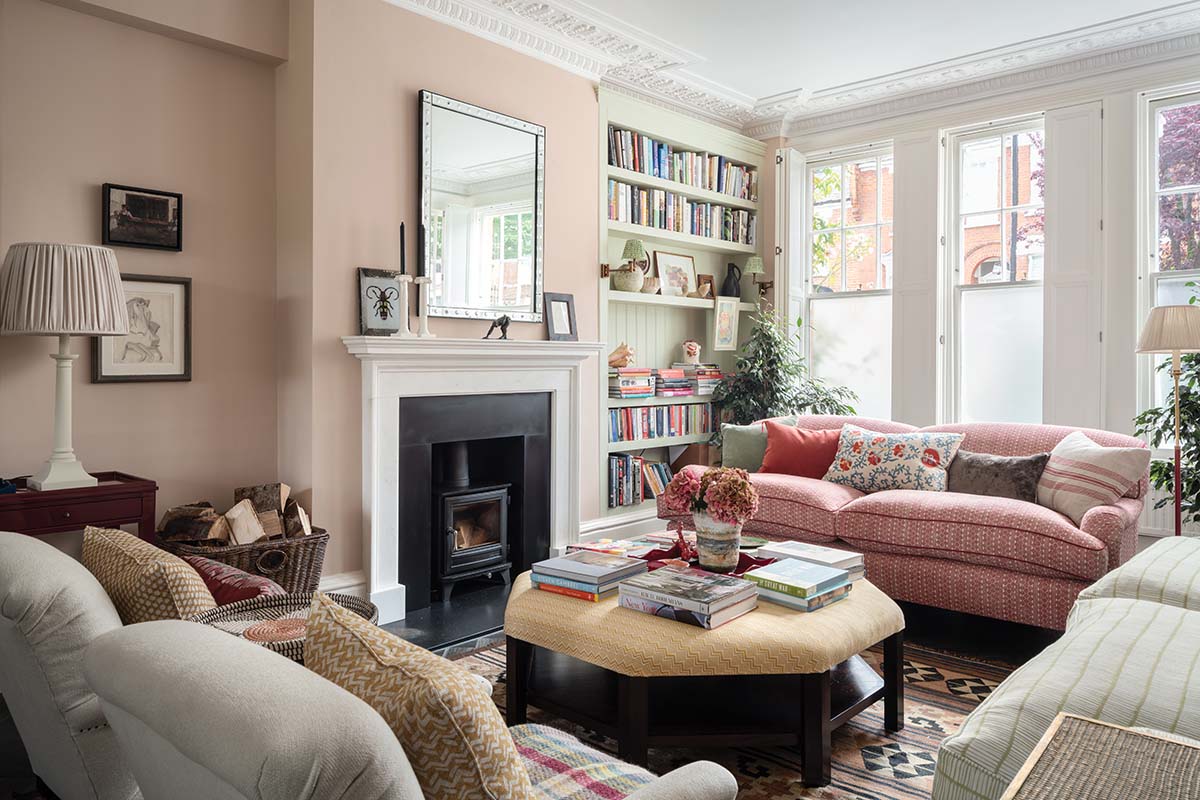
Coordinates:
563 590
554 580
656 609
803 592
797 604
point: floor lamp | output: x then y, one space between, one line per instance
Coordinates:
1174 330
61 290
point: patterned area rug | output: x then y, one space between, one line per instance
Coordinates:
867 763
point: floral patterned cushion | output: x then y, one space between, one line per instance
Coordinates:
872 462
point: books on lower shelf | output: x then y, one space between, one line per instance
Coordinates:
585 574
816 554
626 480
708 621
688 589
641 153
668 211
797 578
652 422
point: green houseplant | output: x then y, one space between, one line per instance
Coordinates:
1158 424
773 380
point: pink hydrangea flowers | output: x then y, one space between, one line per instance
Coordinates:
724 493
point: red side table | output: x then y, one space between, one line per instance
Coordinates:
118 499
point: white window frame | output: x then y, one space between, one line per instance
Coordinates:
951 288
1149 103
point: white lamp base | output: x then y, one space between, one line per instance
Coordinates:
62 470
60 475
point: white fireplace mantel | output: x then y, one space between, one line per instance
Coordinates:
393 368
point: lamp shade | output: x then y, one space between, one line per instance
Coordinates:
56 289
1169 329
754 266
634 250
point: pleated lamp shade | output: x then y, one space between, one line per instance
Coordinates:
54 289
1169 329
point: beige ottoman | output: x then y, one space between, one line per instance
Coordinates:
774 676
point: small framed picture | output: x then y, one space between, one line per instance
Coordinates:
158 346
676 272
134 217
379 311
702 281
725 324
560 317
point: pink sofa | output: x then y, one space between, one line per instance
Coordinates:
991 556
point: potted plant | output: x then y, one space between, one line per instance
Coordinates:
720 501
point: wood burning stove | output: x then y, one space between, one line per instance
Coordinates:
470 532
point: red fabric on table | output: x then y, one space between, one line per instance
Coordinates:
658 559
799 451
230 584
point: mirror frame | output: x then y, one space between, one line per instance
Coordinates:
431 100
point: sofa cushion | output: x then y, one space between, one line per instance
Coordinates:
563 768
1167 571
230 584
873 462
451 730
1128 662
994 531
1082 475
144 582
743 446
996 476
834 422
798 451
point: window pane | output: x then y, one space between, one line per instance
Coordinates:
886 176
827 261
1000 355
885 257
852 346
1178 146
526 234
861 259
510 235
827 197
1179 231
982 254
1024 244
980 176
862 192
497 238
1170 292
1024 168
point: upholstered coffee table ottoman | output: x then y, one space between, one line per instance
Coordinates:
772 677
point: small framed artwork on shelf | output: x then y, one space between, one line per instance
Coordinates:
133 217
560 317
725 324
676 273
379 312
158 346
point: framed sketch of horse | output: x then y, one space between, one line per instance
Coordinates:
158 346
379 311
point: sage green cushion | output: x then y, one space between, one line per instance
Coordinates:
1167 571
743 446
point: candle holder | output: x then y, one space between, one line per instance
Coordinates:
405 332
423 283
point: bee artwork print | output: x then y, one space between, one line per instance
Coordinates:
379 301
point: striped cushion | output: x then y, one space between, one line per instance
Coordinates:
1166 572
563 768
1128 662
1082 475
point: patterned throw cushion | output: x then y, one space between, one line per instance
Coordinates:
873 462
450 728
996 476
143 582
1081 475
563 768
230 584
797 451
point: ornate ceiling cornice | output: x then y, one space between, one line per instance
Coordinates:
590 43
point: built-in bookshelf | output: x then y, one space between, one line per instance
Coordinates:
682 165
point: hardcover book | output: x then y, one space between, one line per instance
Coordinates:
707 621
801 604
813 554
587 566
689 589
797 578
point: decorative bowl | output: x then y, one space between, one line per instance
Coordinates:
651 286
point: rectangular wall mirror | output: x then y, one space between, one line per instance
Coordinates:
482 201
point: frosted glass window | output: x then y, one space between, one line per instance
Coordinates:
1000 355
850 341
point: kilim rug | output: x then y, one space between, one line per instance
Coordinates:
868 764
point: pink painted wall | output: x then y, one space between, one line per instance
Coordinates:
87 101
370 61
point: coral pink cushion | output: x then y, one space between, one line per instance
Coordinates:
230 584
797 451
992 531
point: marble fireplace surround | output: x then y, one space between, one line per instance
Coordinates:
393 368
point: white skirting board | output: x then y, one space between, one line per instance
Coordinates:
352 583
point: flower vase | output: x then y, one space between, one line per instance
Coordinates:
717 543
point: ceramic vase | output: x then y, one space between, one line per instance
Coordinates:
628 280
717 543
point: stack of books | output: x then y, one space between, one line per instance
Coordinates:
800 585
672 382
633 548
626 480
585 575
691 596
816 554
627 382
702 378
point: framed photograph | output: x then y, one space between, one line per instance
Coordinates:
133 217
560 317
676 272
725 324
158 346
379 311
705 280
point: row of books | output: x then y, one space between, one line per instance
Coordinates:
651 422
633 479
668 211
585 574
641 153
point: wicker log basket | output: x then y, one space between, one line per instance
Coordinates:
294 563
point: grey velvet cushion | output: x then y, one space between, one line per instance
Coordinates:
203 715
51 608
743 446
996 476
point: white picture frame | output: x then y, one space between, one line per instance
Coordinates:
676 273
725 323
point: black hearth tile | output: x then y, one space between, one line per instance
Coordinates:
475 609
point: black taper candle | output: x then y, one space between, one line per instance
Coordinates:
403 269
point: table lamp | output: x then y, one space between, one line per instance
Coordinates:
61 290
1174 330
754 268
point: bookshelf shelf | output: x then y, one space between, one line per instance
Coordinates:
636 511
635 402
706 243
704 303
661 441
687 190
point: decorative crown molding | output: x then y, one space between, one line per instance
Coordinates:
588 42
